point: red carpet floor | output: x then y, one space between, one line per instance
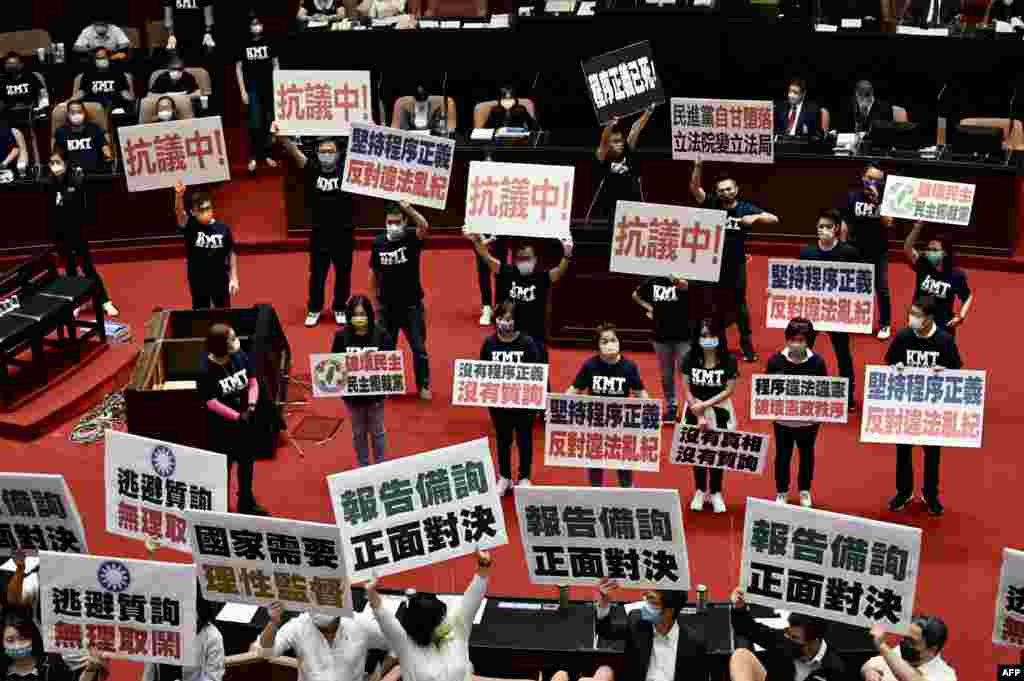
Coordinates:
961 550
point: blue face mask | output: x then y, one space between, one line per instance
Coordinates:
650 614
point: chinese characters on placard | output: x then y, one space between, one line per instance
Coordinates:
834 296
662 240
35 517
143 498
358 373
920 406
603 432
325 103
499 384
519 199
157 155
913 198
1009 621
726 449
799 398
722 130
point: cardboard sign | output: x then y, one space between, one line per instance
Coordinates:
508 385
158 155
358 372
321 103
519 199
912 198
730 450
623 82
39 514
660 240
739 131
1009 626
818 399
588 431
834 296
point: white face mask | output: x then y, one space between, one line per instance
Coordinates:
321 621
610 348
165 114
395 232
526 267
327 160
234 346
915 322
797 349
76 119
256 29
826 235
506 326
709 343
175 74
508 103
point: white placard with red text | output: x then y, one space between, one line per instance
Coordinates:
505 385
321 103
519 199
158 155
660 240
1009 626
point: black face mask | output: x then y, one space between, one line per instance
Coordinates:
13 69
909 653
791 649
421 96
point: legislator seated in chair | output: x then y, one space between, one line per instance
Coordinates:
105 83
859 112
320 11
80 141
796 116
423 111
102 33
175 80
508 112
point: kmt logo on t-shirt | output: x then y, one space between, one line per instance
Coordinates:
922 358
865 210
83 144
100 86
711 378
19 89
935 287
257 53
186 4
607 385
234 383
328 184
732 223
523 294
204 240
396 257
506 355
665 294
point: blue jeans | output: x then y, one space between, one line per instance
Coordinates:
367 428
411 320
260 116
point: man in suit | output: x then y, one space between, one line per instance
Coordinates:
859 112
797 653
658 648
796 117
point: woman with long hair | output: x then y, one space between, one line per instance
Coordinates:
937 277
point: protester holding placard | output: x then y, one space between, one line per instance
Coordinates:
657 645
209 251
430 644
796 359
608 374
937 277
527 286
922 344
868 229
255 73
742 216
326 646
664 301
509 344
363 334
23 656
396 286
620 178
917 657
230 391
829 248
797 653
332 238
209 645
710 372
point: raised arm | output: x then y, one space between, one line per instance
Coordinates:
613 629
695 189
557 273
473 598
899 667
638 126
493 264
389 624
289 145
602 146
908 243
421 222
179 204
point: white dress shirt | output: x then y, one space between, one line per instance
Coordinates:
804 668
343 660
791 130
446 661
209 659
662 666
935 669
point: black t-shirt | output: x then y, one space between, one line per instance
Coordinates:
397 265
257 59
164 84
347 340
83 146
911 350
104 86
330 205
530 293
599 378
779 363
866 230
734 252
522 350
841 252
621 180
313 10
189 18
706 383
670 310
68 204
21 91
516 117
228 384
208 249
942 285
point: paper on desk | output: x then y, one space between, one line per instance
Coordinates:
1003 27
852 23
586 8
427 23
451 24
315 23
242 613
482 134
499 21
386 21
826 28
31 563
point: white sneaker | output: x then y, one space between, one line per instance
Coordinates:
805 498
717 502
884 333
425 394
339 318
525 482
698 501
109 309
76 312
504 485
312 318
781 499
252 166
486 315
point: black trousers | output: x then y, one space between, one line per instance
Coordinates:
905 470
235 440
515 424
803 438
844 357
208 292
702 473
74 251
326 251
499 248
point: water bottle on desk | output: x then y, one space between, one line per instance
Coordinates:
563 599
702 598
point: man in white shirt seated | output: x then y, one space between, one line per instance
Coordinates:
328 648
916 659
